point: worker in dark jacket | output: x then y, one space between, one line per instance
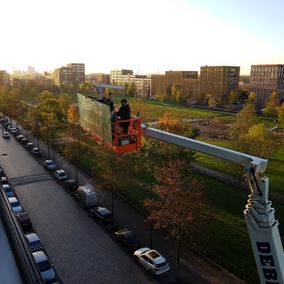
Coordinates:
124 114
109 102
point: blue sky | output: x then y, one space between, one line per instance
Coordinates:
148 36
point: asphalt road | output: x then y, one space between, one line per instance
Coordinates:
79 249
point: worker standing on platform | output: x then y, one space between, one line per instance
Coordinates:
124 114
109 102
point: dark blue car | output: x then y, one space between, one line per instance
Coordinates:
8 190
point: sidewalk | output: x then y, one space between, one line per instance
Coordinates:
194 269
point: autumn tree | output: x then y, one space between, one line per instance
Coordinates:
74 133
233 97
155 153
245 119
280 114
176 205
177 94
131 90
271 104
258 141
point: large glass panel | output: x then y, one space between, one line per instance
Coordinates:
95 117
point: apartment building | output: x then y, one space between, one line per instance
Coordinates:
265 79
63 76
186 79
121 77
4 78
218 82
78 73
101 78
72 74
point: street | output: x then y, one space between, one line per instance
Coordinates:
79 249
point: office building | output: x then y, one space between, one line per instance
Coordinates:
217 82
4 78
264 80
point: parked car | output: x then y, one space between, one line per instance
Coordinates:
20 137
30 145
6 135
24 140
34 242
24 220
71 185
4 180
8 190
152 261
60 174
46 269
50 165
36 151
15 205
14 130
101 214
127 239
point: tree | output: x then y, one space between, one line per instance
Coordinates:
280 114
258 141
233 97
131 90
271 104
178 202
246 118
177 94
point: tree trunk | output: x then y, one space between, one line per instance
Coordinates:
178 248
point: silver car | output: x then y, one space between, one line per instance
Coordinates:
15 205
46 270
34 242
152 261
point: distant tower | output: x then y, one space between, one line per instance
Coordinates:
31 70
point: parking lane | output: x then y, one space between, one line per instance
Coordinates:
80 250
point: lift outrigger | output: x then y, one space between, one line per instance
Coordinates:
259 215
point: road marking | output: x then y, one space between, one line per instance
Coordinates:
22 180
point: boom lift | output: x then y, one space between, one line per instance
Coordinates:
259 215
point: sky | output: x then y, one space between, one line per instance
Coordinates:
148 36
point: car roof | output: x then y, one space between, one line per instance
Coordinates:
6 186
12 199
23 214
32 237
127 233
60 171
39 256
30 143
103 210
48 161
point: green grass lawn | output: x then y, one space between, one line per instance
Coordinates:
151 110
275 169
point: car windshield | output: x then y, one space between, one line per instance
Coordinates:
50 163
44 265
35 243
15 204
162 264
61 174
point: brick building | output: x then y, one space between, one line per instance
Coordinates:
218 82
264 80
